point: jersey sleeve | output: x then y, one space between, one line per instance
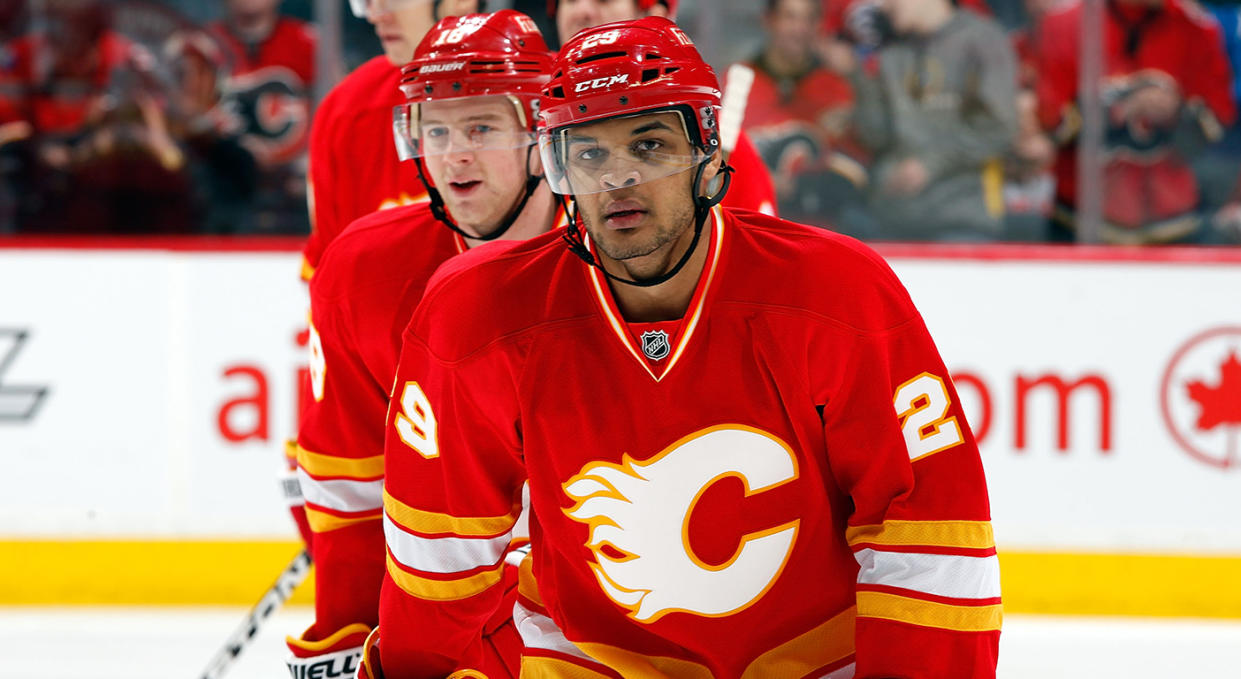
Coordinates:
340 467
751 188
928 590
451 503
325 217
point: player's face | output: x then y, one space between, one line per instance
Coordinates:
574 16
481 182
400 25
645 225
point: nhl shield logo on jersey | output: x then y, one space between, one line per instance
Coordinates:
655 344
637 512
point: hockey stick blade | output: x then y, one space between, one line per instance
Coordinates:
740 79
271 601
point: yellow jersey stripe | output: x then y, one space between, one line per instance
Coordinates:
443 590
542 667
526 585
323 522
432 523
320 465
330 641
960 534
929 613
812 650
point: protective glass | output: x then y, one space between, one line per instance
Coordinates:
361 7
578 160
416 138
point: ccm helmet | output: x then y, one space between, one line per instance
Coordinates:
478 55
627 69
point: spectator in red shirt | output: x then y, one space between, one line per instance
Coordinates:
798 115
267 102
92 147
1166 95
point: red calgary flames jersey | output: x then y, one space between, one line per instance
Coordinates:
354 168
267 99
371 278
779 484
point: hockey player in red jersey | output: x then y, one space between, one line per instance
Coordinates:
353 171
744 454
353 168
752 188
472 87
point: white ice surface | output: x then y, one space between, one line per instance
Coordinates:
176 643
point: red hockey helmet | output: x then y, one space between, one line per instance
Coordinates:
619 70
477 55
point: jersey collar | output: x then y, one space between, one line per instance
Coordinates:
689 322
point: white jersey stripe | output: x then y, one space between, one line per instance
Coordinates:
443 554
540 631
947 575
845 672
342 495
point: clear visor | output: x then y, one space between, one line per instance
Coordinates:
361 8
617 153
436 134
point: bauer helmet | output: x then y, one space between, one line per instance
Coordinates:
478 55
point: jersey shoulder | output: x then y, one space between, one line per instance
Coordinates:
401 243
374 83
498 290
829 275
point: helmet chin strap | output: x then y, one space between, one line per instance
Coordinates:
440 212
702 207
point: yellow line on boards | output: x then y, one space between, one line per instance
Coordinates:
1121 584
171 572
133 572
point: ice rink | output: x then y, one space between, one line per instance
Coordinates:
175 643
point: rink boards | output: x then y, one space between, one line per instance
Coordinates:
146 391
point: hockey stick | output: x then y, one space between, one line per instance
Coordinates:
275 596
740 80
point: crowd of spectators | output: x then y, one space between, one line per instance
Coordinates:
944 120
961 120
124 118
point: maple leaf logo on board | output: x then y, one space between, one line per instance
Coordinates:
1221 403
1201 399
